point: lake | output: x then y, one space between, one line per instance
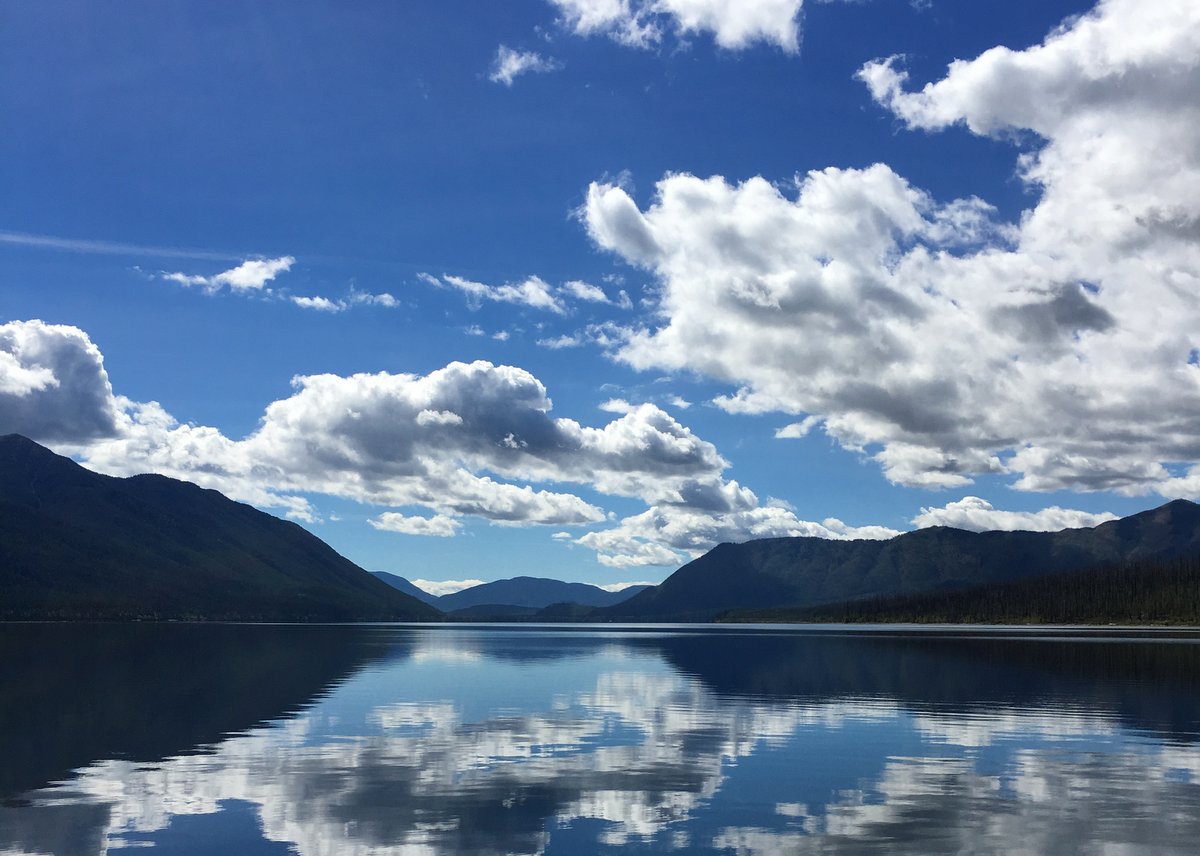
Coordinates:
386 739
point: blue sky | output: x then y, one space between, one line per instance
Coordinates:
955 281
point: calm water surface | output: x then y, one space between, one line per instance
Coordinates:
192 739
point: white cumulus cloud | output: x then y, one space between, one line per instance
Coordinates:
439 525
979 515
670 534
615 405
925 333
733 24
468 439
53 385
250 275
18 379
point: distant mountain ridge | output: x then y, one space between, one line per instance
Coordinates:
75 544
810 572
528 593
535 592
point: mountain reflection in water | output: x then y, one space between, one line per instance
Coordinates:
470 740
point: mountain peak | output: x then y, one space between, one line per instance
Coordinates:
1176 506
20 444
7 439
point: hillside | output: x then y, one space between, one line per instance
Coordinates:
1153 591
536 592
75 544
808 572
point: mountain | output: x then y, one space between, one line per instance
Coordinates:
519 597
1150 591
76 544
535 592
401 584
808 572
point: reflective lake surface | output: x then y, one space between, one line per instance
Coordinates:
189 739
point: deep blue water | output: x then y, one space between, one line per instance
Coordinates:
191 739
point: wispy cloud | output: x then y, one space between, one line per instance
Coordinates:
341 304
510 64
364 298
476 330
589 293
320 304
560 342
533 292
798 430
112 248
253 275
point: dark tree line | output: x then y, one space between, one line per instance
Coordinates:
1157 591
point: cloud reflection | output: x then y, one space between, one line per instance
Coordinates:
428 754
